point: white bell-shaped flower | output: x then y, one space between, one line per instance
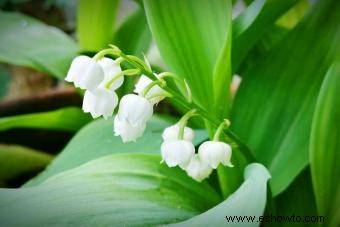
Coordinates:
85 73
171 133
132 115
127 131
111 68
178 152
214 153
155 90
100 102
198 169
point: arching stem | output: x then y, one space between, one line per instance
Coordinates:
183 122
224 125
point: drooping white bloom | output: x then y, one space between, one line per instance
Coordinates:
85 73
214 153
171 133
100 102
155 90
127 131
198 169
132 115
111 68
177 152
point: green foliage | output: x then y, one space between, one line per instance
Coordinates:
28 42
190 36
279 112
298 199
17 160
274 106
248 200
134 36
251 26
325 147
121 189
95 23
66 119
97 140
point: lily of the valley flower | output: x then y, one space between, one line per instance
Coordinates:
177 153
111 68
100 102
133 113
214 153
127 131
142 83
198 169
171 133
92 75
85 73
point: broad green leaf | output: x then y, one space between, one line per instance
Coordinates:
273 109
247 17
116 190
17 160
250 26
190 36
248 201
294 15
95 23
97 140
28 42
231 178
134 36
325 148
222 74
298 199
66 119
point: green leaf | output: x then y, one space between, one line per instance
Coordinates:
273 109
222 74
325 148
298 199
250 26
95 23
17 160
294 15
133 36
117 190
248 200
66 119
190 36
97 140
247 17
28 42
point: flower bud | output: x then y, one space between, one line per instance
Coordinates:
143 82
214 153
85 73
111 68
100 102
198 169
178 152
132 115
171 133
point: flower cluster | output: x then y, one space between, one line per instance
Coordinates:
91 75
100 77
178 150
